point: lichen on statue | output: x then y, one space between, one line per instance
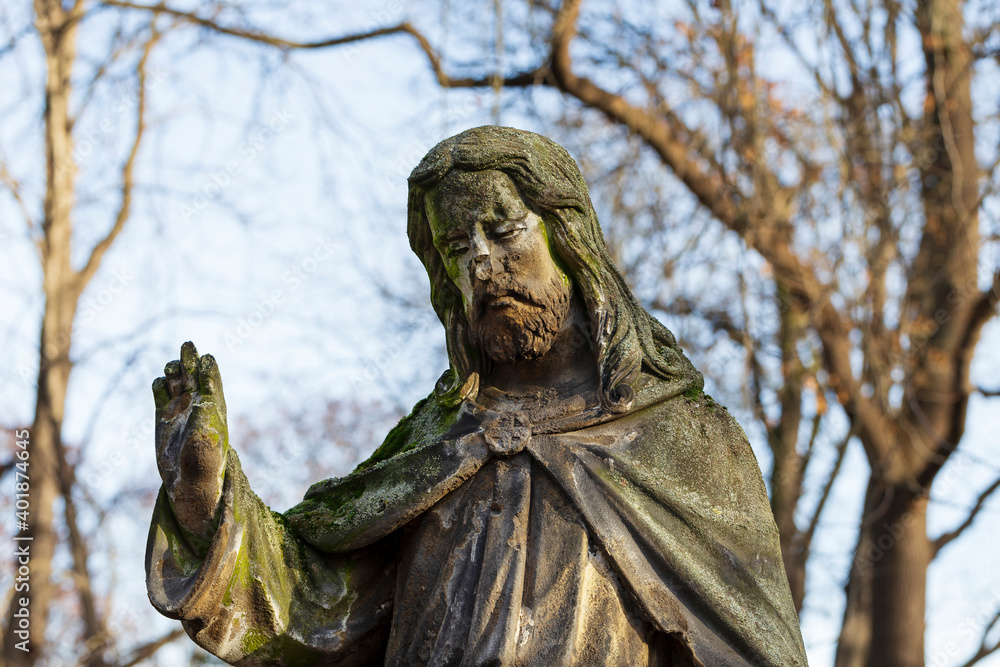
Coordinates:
567 494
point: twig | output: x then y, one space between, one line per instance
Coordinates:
946 538
15 190
805 537
125 206
985 650
147 650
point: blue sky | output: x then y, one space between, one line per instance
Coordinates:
269 208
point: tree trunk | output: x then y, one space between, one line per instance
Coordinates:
786 473
856 631
894 551
884 617
57 30
43 471
899 559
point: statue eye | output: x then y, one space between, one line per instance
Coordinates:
507 231
457 247
453 244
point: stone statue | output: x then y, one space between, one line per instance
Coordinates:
567 494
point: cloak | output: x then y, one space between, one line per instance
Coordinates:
669 494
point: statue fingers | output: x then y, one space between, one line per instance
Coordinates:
209 378
172 375
161 393
189 367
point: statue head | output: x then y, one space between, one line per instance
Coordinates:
496 251
525 193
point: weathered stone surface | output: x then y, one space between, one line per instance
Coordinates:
567 495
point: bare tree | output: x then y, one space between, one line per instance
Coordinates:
860 160
863 204
51 477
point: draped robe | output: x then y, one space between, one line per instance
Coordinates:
642 538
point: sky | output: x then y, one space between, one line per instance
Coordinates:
269 228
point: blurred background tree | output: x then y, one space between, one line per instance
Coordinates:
805 195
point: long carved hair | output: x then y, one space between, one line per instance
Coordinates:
626 338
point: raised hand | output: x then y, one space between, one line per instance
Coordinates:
192 439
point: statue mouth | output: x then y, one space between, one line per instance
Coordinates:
505 297
506 301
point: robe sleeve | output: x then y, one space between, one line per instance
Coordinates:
353 512
261 596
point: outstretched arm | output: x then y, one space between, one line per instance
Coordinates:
246 588
341 515
315 586
257 595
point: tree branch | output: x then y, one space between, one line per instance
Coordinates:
255 36
804 539
767 232
983 310
719 319
125 206
147 650
15 190
846 47
526 78
874 430
786 35
120 44
653 129
95 632
985 650
811 445
947 538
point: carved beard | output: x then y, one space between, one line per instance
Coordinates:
524 329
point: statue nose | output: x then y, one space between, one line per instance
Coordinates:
482 267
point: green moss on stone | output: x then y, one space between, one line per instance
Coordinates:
428 422
329 504
696 394
253 639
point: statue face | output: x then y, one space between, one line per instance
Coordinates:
496 251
